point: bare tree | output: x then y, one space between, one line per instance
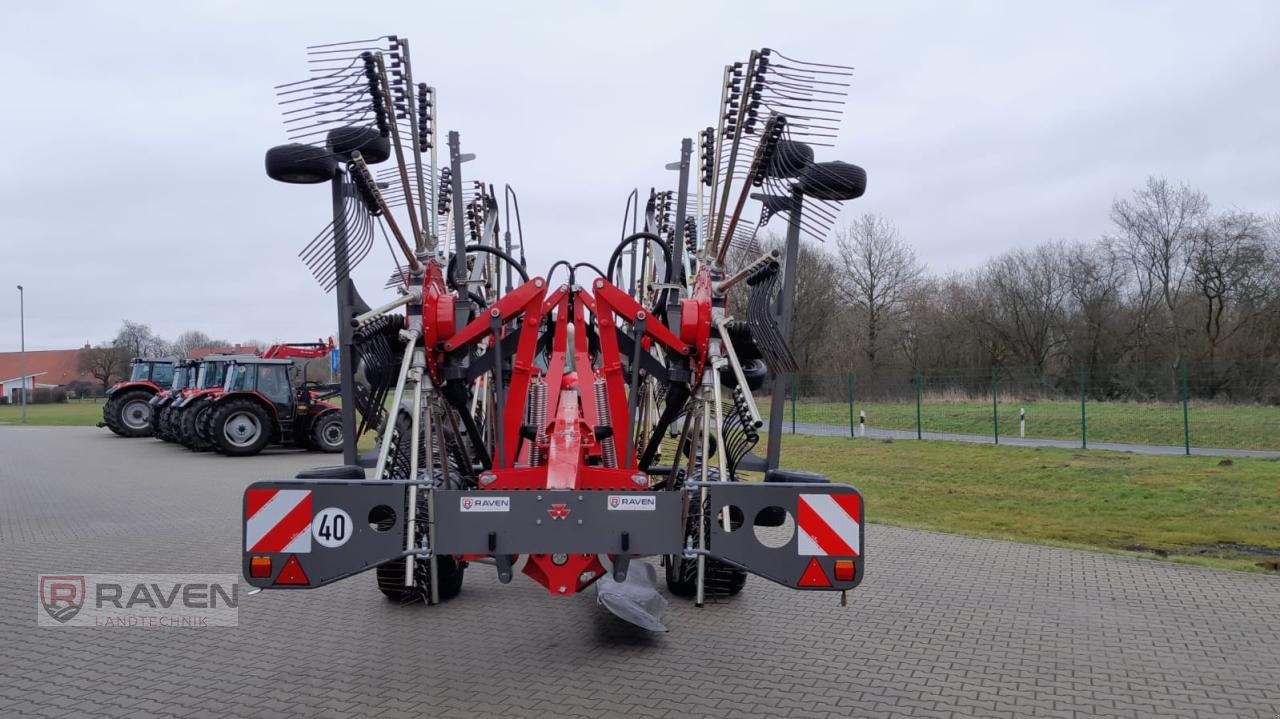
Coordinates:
192 340
137 339
815 305
879 271
1157 227
1228 269
1100 326
104 363
1026 293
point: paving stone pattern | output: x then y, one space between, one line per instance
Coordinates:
943 626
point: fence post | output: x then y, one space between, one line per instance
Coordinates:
795 389
995 410
849 382
919 431
1186 417
1084 426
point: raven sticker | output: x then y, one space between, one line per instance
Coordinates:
486 504
625 503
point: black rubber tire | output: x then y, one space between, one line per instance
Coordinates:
372 146
156 427
449 570
204 429
299 164
189 421
755 371
339 471
113 413
167 432
835 181
175 422
721 579
790 158
744 343
110 415
326 426
229 416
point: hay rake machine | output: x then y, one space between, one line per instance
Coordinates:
560 429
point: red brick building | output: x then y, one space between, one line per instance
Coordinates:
45 368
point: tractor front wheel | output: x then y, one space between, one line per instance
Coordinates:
189 425
167 432
241 427
128 414
326 434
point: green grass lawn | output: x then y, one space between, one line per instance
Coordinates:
68 414
1238 426
1190 509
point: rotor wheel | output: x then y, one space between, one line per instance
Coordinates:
449 570
128 414
719 578
241 427
326 433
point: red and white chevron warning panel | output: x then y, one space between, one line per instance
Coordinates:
277 520
828 525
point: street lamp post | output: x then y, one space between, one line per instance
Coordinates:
22 334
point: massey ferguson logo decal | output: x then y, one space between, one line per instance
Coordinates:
486 504
62 596
641 503
559 511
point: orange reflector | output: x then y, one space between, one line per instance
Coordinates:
814 576
845 570
260 567
292 573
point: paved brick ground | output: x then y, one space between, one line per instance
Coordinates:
943 626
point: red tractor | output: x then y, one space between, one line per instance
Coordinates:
127 411
183 417
184 375
260 404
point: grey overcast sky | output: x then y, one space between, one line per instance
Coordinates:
132 184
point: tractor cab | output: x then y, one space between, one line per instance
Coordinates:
157 372
267 378
183 376
261 403
213 370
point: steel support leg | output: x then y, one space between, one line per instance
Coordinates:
786 305
346 302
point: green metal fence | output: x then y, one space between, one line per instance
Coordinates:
1178 406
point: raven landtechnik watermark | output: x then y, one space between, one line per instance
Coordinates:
138 600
